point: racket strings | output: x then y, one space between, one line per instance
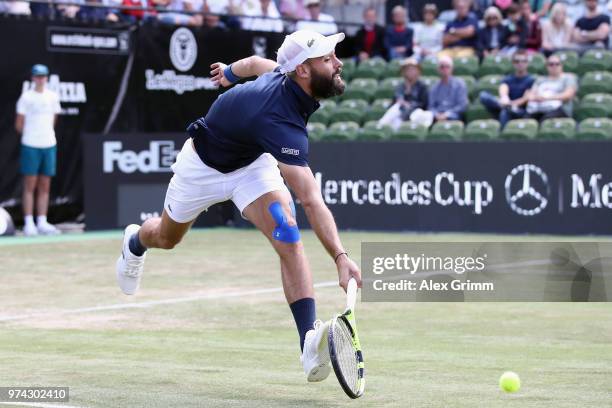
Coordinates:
346 355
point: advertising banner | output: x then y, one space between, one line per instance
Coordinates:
126 178
512 187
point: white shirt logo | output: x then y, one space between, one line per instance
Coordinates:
287 150
183 49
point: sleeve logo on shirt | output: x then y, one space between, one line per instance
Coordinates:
294 152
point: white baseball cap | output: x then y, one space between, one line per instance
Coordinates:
302 45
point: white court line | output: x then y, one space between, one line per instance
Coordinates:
40 405
254 292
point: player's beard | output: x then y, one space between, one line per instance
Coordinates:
325 87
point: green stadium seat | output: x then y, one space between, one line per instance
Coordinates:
392 69
487 129
371 68
488 83
569 59
348 68
447 130
341 131
470 84
351 110
595 82
371 131
495 65
465 66
557 129
477 111
595 60
361 88
386 88
429 67
321 116
377 110
520 129
595 128
537 64
410 131
595 105
315 130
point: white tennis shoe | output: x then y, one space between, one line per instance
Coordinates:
315 357
129 266
45 228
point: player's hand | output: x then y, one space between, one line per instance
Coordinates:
347 269
216 72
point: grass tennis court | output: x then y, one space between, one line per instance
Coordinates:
210 327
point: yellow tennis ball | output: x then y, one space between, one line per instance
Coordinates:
509 382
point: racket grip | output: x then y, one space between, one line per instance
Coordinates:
351 293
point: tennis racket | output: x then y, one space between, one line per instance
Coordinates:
345 349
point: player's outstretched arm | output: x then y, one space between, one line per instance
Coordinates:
302 182
244 68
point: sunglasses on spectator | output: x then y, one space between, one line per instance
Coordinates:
520 61
444 66
553 64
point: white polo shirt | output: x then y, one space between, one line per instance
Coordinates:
39 110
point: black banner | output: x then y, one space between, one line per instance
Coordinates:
87 84
126 178
511 187
171 77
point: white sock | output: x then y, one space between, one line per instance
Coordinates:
41 220
29 220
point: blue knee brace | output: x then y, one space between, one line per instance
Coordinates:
283 231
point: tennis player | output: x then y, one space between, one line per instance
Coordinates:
250 143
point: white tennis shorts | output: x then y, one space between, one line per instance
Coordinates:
196 186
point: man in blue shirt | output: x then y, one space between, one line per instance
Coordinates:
250 143
513 92
448 98
460 35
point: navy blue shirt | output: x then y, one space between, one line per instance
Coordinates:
592 24
518 85
469 20
267 115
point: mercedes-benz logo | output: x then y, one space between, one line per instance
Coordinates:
527 189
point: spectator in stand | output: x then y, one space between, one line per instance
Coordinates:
370 39
513 92
175 12
70 10
460 35
552 96
222 14
135 15
516 30
398 38
540 7
593 29
428 36
295 9
270 22
533 40
557 31
448 98
15 7
491 37
409 96
88 12
317 21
